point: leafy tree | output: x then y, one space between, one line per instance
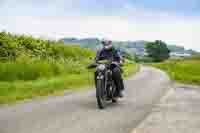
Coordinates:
157 50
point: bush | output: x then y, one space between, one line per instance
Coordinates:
12 46
26 58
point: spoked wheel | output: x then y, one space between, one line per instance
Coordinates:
100 94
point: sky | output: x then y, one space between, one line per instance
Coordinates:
173 21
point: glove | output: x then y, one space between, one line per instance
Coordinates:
93 65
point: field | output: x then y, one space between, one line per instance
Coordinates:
31 67
184 71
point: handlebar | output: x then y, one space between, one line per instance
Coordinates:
93 65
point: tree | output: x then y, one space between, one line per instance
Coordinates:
157 50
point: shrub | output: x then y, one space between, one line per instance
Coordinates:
27 58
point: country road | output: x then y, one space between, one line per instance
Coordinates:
78 112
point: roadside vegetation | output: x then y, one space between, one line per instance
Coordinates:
182 70
156 51
31 67
130 68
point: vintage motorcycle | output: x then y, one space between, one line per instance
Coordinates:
105 86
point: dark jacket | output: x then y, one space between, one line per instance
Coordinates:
111 54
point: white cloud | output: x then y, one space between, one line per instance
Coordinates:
174 30
129 22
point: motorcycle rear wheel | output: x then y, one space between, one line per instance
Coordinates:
114 100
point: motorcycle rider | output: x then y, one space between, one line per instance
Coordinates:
110 53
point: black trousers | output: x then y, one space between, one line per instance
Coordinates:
117 77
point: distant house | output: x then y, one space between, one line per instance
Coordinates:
179 55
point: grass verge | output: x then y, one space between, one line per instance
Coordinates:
183 71
14 91
130 69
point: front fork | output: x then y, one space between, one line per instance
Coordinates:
99 76
108 82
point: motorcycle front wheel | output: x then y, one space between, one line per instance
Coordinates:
100 94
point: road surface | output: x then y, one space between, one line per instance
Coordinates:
78 112
177 112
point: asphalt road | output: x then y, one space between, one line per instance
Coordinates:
177 112
78 112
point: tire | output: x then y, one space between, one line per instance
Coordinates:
100 95
114 96
114 100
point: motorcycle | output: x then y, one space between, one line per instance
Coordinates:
105 86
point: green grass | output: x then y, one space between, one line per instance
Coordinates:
11 92
130 69
20 90
184 71
32 69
